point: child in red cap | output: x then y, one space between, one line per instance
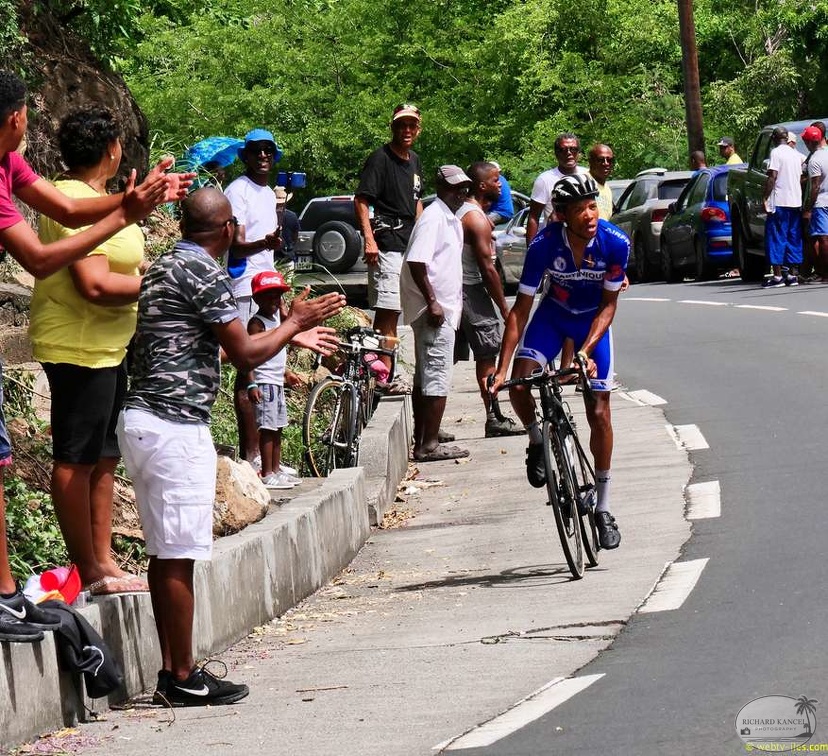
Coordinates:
266 384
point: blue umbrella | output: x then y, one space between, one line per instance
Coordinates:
218 149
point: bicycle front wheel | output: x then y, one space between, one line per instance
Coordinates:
328 427
563 497
584 483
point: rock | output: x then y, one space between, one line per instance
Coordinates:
241 498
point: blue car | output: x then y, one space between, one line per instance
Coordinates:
696 237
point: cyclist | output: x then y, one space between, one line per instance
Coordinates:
579 264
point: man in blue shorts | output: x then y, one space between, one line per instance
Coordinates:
579 265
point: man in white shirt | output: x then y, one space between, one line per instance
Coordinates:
783 203
567 150
257 236
431 294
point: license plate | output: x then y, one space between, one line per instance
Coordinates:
304 262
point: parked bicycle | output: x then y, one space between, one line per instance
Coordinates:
570 478
341 404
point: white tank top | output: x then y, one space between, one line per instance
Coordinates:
272 371
471 270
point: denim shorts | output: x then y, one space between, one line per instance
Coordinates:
5 443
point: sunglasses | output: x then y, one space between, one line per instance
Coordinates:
609 160
257 148
576 150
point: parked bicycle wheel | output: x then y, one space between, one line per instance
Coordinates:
328 427
583 479
563 497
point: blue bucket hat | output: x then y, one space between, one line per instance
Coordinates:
262 135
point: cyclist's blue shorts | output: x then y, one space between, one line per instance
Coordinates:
545 334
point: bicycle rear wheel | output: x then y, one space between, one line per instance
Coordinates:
563 497
583 478
328 427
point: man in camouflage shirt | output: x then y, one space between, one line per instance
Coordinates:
186 312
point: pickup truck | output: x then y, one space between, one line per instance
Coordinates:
745 189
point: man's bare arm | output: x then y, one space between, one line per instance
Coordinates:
477 231
361 208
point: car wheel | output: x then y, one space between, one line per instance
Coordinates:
704 272
751 267
671 274
337 246
642 265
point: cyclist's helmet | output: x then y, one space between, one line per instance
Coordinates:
573 189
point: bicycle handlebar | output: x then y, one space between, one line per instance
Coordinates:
543 375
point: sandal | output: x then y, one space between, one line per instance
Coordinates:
111 585
442 452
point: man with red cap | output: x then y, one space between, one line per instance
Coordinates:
815 209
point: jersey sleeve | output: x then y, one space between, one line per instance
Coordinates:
618 254
534 266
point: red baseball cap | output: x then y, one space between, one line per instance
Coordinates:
812 134
269 280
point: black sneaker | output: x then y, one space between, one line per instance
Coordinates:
19 608
159 697
608 534
15 631
535 466
203 689
504 427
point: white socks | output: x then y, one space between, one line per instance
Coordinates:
602 481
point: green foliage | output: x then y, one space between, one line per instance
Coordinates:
35 541
11 40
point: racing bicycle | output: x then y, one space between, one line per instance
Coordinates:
570 478
341 404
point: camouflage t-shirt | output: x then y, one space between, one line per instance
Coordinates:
175 372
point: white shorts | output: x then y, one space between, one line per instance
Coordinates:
173 471
384 281
247 309
271 411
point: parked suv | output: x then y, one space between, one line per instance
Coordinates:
329 235
641 210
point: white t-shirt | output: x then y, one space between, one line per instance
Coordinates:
255 208
818 166
787 191
272 371
437 241
542 188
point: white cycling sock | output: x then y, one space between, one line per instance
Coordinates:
602 483
533 430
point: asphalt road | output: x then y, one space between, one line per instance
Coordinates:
751 379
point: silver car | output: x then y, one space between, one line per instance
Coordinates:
641 210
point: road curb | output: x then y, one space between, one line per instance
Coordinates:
255 575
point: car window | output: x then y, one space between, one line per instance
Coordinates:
698 190
318 212
638 194
720 187
670 190
681 202
761 151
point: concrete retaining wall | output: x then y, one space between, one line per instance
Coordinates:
254 576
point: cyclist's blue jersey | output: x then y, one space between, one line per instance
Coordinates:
576 291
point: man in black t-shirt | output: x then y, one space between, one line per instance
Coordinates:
390 184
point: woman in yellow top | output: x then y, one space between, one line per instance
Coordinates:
82 319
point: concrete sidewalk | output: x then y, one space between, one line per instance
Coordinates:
460 608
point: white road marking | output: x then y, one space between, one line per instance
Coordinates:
687 437
703 302
647 397
769 308
646 299
529 709
704 500
675 586
814 312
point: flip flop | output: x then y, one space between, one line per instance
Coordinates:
442 452
111 585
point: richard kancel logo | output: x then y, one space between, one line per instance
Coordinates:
777 723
